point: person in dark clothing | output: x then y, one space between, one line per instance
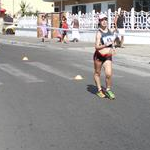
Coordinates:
103 57
119 25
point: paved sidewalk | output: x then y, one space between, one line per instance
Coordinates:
132 50
37 41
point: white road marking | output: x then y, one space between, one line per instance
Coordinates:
18 43
50 69
90 69
131 71
1 83
18 73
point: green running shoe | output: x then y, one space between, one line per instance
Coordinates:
100 94
110 94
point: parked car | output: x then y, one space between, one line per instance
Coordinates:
10 29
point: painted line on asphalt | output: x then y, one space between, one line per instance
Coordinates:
20 74
1 83
32 45
90 69
131 71
23 44
50 69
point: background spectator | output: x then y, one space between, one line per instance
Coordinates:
64 31
43 26
119 24
75 30
59 31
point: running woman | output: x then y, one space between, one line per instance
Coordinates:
103 57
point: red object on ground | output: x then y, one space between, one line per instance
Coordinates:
2 10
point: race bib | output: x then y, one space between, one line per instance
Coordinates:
109 38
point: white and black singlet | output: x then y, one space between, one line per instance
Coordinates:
105 37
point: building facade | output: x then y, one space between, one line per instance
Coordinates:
13 6
74 6
86 6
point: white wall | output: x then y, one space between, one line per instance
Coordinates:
89 7
104 7
130 37
14 6
68 8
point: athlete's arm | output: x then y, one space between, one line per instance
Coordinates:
102 48
112 30
115 21
98 44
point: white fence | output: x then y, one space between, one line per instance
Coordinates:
27 26
133 20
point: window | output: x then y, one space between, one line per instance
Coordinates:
97 7
142 5
56 9
112 7
77 8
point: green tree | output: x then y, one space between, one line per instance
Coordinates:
24 8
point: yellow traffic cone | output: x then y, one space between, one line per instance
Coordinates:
25 58
78 77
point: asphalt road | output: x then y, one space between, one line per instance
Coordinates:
42 106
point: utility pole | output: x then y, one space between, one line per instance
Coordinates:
0 5
13 7
61 5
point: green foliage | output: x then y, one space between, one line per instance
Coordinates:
25 10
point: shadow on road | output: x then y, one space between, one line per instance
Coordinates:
92 88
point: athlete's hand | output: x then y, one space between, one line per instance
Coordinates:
112 51
109 43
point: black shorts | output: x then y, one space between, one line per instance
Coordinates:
64 33
98 56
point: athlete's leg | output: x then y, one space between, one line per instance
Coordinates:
97 73
63 36
108 73
122 41
122 32
42 33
